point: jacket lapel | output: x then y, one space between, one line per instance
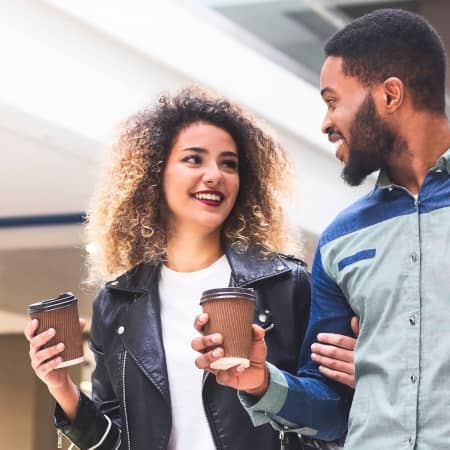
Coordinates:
143 335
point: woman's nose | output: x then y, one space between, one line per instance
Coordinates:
212 176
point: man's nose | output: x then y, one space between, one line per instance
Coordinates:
327 124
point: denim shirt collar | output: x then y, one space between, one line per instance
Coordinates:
442 164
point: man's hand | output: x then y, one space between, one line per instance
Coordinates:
334 354
254 379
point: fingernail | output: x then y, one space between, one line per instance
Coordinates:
313 356
202 318
216 338
240 368
217 352
313 347
60 346
51 332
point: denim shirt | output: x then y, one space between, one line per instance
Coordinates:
386 259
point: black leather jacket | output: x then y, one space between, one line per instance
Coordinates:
131 397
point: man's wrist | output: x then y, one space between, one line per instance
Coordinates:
262 389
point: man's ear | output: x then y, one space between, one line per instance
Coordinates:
394 93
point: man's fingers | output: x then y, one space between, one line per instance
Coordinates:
337 340
341 377
203 343
333 352
335 364
354 323
200 321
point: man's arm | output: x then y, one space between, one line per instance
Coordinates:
316 404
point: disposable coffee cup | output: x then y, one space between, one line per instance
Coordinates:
230 313
61 313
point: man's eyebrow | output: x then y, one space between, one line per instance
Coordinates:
327 90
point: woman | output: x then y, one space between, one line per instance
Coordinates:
190 203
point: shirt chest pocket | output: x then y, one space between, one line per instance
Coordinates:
357 276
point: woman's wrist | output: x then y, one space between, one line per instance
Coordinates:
262 388
68 397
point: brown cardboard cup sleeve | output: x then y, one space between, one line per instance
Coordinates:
61 313
230 313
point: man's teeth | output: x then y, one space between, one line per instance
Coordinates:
213 197
339 143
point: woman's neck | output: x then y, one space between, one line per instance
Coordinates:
188 253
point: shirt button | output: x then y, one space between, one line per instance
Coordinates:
414 257
413 379
411 440
121 330
412 320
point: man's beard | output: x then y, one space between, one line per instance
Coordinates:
372 142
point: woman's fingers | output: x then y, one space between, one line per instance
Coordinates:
41 339
200 321
44 369
204 343
44 355
31 328
204 361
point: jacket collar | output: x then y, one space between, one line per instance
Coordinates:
251 266
246 268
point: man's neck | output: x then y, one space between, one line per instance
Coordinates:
427 138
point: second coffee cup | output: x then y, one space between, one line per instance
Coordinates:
61 313
230 313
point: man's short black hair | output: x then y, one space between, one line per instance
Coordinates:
394 42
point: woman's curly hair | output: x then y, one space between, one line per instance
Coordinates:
127 220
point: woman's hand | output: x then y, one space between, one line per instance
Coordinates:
253 379
334 354
44 363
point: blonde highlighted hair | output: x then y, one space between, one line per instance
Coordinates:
127 218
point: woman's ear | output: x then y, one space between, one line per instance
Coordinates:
394 93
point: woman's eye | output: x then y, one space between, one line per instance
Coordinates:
231 164
192 159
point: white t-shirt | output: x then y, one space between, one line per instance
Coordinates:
180 294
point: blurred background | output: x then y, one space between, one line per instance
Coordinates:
71 70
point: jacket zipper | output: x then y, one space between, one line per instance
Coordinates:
125 399
212 431
59 436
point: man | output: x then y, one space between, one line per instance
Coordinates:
385 258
